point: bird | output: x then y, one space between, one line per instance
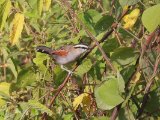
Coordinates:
65 54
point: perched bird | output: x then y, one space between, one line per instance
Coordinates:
65 54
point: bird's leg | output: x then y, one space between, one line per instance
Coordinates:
69 71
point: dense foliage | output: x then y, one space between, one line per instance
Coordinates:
119 77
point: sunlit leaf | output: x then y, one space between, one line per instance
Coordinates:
38 106
88 89
40 6
25 78
136 77
2 1
17 26
84 67
4 12
151 18
87 20
107 94
78 100
4 92
4 87
46 4
40 57
130 19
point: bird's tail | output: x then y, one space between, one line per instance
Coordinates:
44 49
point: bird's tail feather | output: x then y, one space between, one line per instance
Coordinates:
44 49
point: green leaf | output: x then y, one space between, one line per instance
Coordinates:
104 23
25 78
128 2
4 12
124 56
84 67
40 58
127 72
12 67
110 45
100 118
87 21
121 82
151 18
95 15
38 106
106 5
107 94
68 117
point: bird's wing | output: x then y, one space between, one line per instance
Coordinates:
60 52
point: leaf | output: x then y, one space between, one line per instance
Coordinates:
17 26
121 82
12 67
2 1
124 56
84 67
127 72
46 4
130 19
68 117
95 15
78 100
38 106
40 57
4 12
104 23
84 100
136 77
40 6
4 87
25 78
4 92
110 45
151 18
128 2
107 94
87 20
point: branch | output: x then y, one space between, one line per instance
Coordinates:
148 86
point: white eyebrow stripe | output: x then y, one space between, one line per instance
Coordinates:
81 46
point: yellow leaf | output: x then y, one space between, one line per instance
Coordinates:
4 88
136 77
88 89
130 19
46 5
40 6
4 11
87 104
125 8
78 100
17 27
